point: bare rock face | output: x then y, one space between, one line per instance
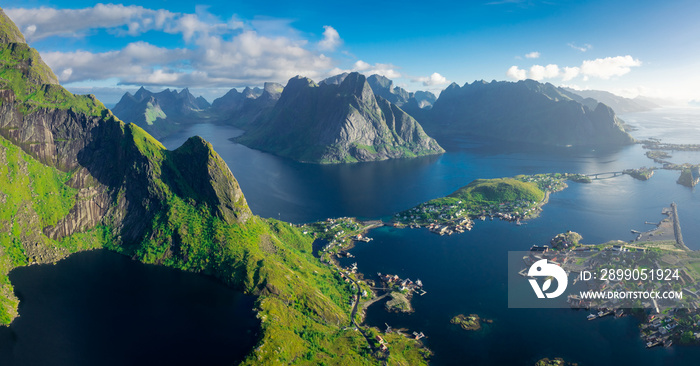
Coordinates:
122 175
336 122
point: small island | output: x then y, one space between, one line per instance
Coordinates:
643 173
399 302
689 177
469 322
555 362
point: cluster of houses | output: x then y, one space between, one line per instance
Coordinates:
459 226
393 281
561 241
359 237
383 346
551 182
659 330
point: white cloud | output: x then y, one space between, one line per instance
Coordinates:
583 48
605 68
601 68
117 19
218 53
569 73
538 72
386 70
533 54
516 73
432 80
29 30
247 59
361 66
331 39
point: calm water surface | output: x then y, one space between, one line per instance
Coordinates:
467 273
101 308
462 274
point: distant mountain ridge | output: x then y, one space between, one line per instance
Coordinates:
160 113
620 105
524 111
243 108
338 122
384 87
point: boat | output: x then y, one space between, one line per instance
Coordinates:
591 316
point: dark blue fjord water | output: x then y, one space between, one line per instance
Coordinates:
101 308
462 274
467 273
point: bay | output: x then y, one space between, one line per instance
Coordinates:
101 308
463 274
467 273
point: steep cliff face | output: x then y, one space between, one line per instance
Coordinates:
115 168
334 123
526 111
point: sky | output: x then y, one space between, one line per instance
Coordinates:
630 48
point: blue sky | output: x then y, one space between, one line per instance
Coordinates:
626 47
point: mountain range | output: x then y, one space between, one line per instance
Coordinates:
163 113
619 104
524 112
337 122
240 109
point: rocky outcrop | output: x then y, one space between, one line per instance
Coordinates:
689 177
334 123
201 174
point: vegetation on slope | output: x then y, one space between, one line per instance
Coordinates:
498 191
32 196
509 198
35 85
303 305
190 214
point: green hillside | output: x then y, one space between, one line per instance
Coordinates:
73 177
498 191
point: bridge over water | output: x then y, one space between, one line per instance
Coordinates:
605 175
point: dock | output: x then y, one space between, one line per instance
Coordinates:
677 227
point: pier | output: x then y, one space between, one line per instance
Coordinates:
677 227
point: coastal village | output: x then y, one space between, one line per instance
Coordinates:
661 325
335 237
662 321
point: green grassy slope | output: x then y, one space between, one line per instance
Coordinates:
499 190
196 224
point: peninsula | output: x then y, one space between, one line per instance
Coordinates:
510 199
